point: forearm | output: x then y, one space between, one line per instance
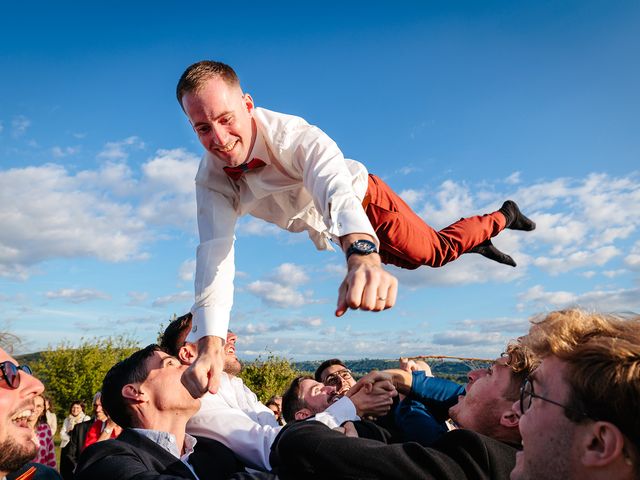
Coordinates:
401 379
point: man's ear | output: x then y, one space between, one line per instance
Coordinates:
187 353
248 103
509 419
601 444
132 392
303 414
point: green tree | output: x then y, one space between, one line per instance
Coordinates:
268 377
76 372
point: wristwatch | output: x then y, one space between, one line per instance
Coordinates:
361 247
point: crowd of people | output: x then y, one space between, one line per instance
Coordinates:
557 404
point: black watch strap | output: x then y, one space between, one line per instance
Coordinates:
361 247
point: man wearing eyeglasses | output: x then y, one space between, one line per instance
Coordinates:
580 409
18 388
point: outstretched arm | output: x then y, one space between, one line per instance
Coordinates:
367 285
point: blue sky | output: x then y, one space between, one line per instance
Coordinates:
457 105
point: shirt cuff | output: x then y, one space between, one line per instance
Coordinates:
352 221
209 320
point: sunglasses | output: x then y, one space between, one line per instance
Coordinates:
11 373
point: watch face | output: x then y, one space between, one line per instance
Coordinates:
364 246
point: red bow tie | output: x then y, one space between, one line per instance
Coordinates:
236 172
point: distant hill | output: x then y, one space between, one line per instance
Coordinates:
453 370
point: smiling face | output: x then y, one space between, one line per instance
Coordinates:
38 408
76 409
317 396
17 442
338 376
221 116
482 407
232 366
547 434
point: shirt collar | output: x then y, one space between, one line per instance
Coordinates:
259 149
167 441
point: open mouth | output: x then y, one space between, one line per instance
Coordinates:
228 147
333 398
21 418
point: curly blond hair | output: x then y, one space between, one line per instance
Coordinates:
603 355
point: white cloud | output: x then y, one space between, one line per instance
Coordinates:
614 300
280 289
470 268
290 274
583 258
1 127
257 227
412 197
407 170
614 273
458 338
633 259
137 298
277 327
278 295
119 151
187 270
65 219
77 295
19 125
168 189
180 297
513 179
59 152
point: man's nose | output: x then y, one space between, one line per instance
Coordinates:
516 408
219 135
329 389
474 375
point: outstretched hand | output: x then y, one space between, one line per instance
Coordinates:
204 373
367 285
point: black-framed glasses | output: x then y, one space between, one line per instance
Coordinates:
336 378
527 395
11 373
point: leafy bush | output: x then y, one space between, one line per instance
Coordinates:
71 373
268 377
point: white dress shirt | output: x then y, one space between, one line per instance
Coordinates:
236 418
306 185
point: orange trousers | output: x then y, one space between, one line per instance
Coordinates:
408 242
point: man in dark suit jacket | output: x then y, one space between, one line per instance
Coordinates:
144 395
310 450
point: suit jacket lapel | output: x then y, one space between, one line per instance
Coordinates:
158 454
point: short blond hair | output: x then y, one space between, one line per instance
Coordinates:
196 75
603 355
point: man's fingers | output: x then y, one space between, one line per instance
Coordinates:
214 383
392 292
342 299
350 430
191 381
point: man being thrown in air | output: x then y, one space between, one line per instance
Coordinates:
279 168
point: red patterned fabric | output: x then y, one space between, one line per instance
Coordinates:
46 449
